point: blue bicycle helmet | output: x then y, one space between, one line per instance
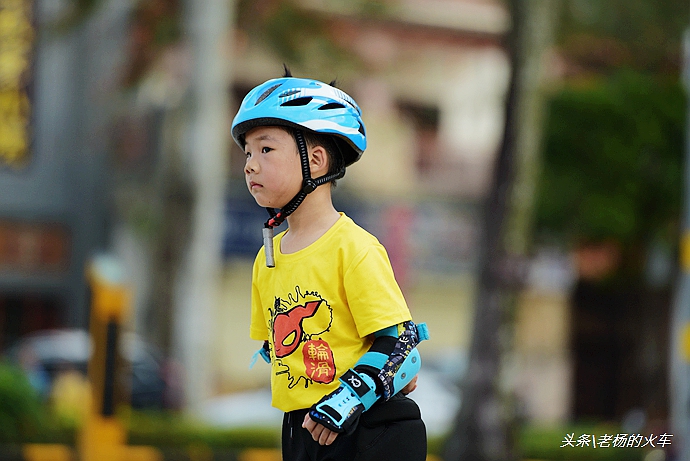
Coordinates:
304 104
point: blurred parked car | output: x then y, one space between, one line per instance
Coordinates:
154 381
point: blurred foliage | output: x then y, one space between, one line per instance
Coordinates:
155 24
613 154
601 36
22 416
75 12
545 443
175 431
297 35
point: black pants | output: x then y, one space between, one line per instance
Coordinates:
389 431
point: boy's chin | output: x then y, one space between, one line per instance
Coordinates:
265 204
260 201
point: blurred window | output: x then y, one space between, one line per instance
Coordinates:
425 120
33 248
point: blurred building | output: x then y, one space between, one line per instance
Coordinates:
56 85
88 165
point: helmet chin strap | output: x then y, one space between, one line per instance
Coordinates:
308 186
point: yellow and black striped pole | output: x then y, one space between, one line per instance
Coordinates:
103 436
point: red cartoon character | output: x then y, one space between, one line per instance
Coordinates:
287 327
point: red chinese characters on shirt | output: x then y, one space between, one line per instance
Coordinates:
318 361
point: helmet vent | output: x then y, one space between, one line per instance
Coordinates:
289 93
297 102
267 93
332 105
361 129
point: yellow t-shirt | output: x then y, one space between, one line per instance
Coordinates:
318 308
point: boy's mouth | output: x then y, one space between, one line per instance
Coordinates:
254 185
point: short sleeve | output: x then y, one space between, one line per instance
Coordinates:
257 326
373 295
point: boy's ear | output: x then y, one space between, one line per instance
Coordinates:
318 161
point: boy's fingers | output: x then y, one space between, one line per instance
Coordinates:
319 432
331 437
309 424
327 436
314 428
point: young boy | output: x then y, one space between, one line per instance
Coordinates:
334 322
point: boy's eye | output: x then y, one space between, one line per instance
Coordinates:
265 150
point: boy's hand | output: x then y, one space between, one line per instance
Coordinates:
325 436
319 432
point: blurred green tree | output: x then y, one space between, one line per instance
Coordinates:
613 147
297 35
613 153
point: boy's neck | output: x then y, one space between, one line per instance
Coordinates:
310 221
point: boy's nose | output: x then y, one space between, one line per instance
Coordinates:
250 166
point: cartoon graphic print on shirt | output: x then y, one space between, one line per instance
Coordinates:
296 324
